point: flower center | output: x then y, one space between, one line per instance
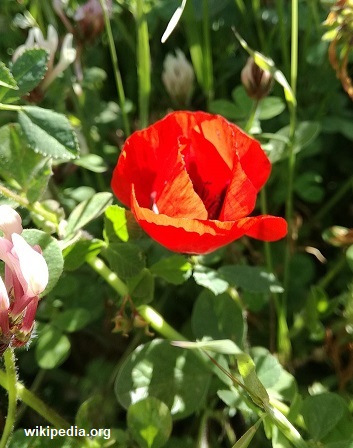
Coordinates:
212 202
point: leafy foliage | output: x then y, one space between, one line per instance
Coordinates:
247 346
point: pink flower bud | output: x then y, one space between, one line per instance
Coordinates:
10 221
26 277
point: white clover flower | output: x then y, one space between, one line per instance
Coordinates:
67 57
178 78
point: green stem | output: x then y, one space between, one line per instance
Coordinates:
207 52
34 387
109 276
335 198
35 403
36 207
156 321
10 107
283 338
202 440
241 6
252 116
283 34
150 315
259 27
117 75
143 64
275 302
11 379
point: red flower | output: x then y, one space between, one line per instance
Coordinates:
191 180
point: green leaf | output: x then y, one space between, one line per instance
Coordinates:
141 287
72 320
245 439
218 318
30 171
224 346
125 259
51 253
156 369
78 253
242 101
306 132
149 422
268 369
321 413
227 109
48 132
93 413
92 162
175 269
246 367
7 81
28 70
250 278
52 348
211 279
120 224
271 107
309 187
87 211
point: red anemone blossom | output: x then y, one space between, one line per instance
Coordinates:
191 180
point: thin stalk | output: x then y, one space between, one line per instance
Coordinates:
203 431
275 304
143 64
283 34
11 379
117 75
283 335
34 387
36 207
207 51
156 321
241 6
11 107
109 276
252 116
259 27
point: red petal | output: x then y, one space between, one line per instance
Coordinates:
265 227
177 197
240 197
194 236
228 138
147 159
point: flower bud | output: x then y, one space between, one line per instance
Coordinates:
256 81
10 221
178 78
26 276
122 324
90 19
